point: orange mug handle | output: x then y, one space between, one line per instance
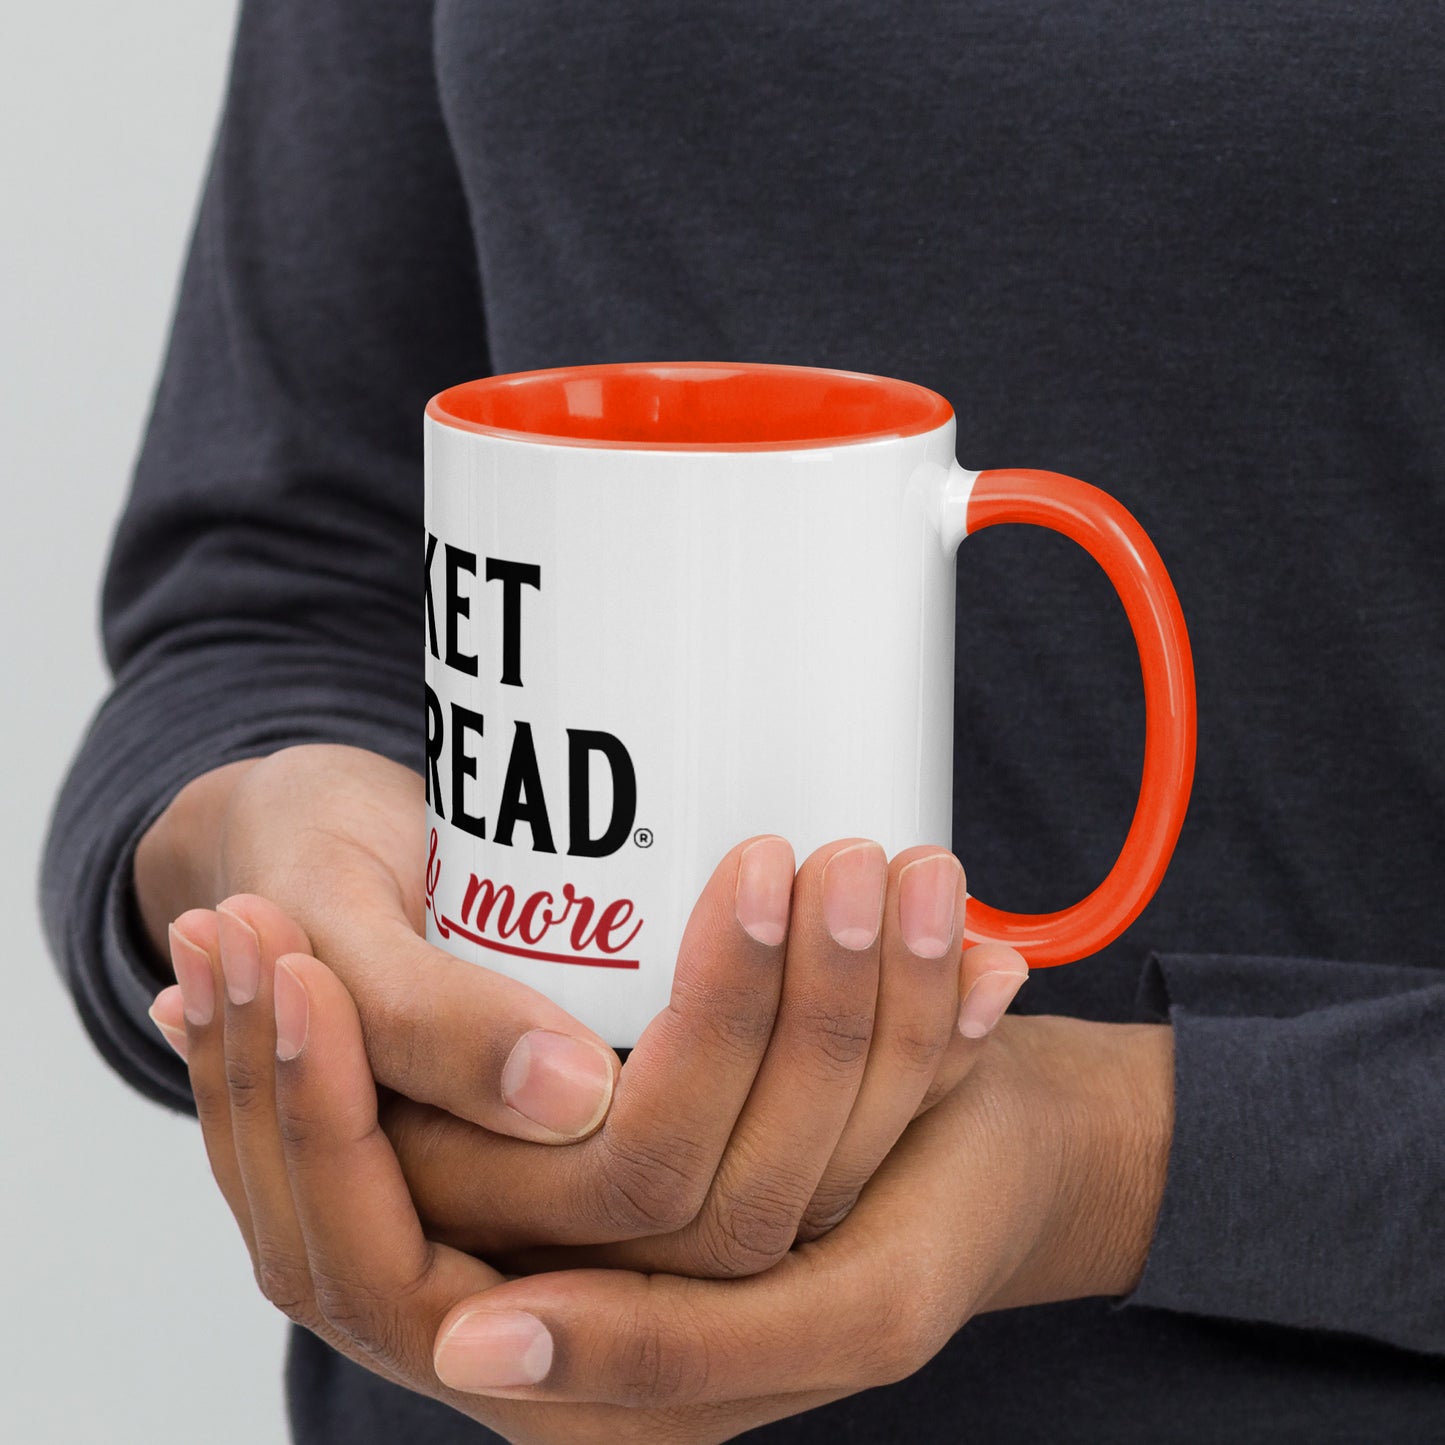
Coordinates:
1110 535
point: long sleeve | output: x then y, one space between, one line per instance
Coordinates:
1191 256
263 588
1306 1182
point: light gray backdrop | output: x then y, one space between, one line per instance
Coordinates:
127 1311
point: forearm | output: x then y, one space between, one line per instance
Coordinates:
1099 1099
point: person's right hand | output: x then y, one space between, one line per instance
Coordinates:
332 837
790 1059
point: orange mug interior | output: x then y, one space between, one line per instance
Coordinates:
692 405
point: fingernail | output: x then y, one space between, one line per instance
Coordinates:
192 967
928 903
168 1015
240 957
986 1002
562 1083
853 884
293 1013
765 888
489 1350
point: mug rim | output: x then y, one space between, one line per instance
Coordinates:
752 406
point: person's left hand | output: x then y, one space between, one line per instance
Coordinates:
1038 1180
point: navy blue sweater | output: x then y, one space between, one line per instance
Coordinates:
1190 252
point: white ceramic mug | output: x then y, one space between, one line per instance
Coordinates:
672 606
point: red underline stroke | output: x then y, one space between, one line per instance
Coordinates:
537 953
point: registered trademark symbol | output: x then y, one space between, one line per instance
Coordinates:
643 837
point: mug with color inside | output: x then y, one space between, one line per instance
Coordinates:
670 606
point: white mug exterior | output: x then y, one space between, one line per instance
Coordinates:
768 634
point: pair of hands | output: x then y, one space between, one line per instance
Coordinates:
752 1114
753 1110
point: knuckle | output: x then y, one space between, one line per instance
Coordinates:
837 1039
249 1084
653 1367
826 1212
733 1019
363 1314
746 1235
301 1134
288 1286
650 1187
918 1046
213 1102
349 1314
318 1135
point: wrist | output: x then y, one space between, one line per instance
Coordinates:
178 860
1104 1096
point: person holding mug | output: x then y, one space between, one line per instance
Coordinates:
1186 1190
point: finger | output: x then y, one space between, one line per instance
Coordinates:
196 960
649 1168
915 1020
806 1087
282 1277
189 1016
377 1282
451 1033
253 934
869 1304
168 1014
689 1078
665 1342
990 976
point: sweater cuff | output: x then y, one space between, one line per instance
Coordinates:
1308 1096
183 716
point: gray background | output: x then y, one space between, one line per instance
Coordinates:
127 1310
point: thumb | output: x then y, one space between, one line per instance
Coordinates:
446 1032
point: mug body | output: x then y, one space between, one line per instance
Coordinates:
640 653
